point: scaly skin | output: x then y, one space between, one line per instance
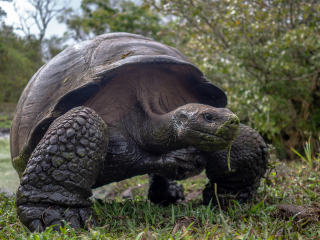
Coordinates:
62 170
248 159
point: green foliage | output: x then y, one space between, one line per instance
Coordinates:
20 57
101 16
18 62
265 54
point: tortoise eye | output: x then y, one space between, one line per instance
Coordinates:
208 117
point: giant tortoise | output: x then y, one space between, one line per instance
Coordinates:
117 106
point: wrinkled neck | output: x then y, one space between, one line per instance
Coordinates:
159 133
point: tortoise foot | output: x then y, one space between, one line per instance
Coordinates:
164 191
39 216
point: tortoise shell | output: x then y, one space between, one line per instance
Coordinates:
101 73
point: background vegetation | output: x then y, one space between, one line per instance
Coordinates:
264 54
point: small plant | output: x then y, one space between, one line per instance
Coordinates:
309 159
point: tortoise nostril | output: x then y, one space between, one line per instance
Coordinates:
234 121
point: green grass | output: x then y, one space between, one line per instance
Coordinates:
5 121
294 183
9 180
309 159
6 114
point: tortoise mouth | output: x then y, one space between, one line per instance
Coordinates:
207 141
213 135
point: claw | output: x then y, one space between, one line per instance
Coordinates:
36 225
72 217
38 217
87 218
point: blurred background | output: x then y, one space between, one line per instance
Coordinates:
265 54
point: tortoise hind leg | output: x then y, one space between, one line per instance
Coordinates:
61 171
248 160
163 190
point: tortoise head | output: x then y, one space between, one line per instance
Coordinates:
205 127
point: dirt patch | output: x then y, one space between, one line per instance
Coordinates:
300 213
193 195
128 193
184 222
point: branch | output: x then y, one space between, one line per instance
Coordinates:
24 27
44 11
302 77
255 75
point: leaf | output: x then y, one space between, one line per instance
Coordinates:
125 55
139 235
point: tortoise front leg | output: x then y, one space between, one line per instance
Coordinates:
248 161
57 182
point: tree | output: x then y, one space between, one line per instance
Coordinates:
43 11
53 46
2 12
18 62
265 54
102 16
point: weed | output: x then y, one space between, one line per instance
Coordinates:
309 159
